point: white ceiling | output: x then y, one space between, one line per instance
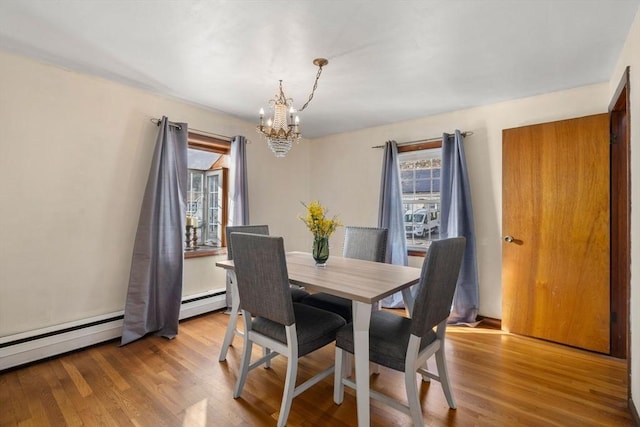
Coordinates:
388 60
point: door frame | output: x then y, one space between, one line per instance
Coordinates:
619 128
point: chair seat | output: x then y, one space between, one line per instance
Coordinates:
388 339
332 303
315 328
298 294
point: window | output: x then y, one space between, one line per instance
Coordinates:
420 176
207 189
214 204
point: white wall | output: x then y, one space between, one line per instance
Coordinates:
75 157
277 186
630 56
346 170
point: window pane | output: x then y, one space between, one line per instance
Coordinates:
201 160
195 196
214 209
420 177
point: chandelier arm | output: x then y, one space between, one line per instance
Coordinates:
313 91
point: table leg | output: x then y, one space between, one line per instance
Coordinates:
233 318
407 297
361 321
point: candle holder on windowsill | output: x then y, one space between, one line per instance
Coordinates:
191 237
194 241
188 239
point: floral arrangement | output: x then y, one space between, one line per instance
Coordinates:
317 222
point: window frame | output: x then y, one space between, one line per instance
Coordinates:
219 146
406 148
220 206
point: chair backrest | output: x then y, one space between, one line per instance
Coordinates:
253 229
263 280
438 279
365 243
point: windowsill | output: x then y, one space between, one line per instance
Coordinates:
417 252
201 251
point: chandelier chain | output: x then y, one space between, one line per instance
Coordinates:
313 91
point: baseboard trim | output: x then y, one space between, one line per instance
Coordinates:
31 346
206 302
634 412
490 322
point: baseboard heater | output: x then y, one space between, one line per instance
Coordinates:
31 346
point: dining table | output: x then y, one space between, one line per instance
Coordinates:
365 283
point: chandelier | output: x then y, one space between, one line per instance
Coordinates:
283 129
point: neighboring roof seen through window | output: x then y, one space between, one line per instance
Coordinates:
201 160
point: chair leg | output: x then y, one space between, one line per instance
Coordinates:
374 368
340 372
229 334
265 352
441 364
348 364
411 387
290 381
426 378
246 358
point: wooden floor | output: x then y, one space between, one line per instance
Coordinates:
498 380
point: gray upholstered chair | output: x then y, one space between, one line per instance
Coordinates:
232 291
253 229
405 344
365 243
272 319
297 294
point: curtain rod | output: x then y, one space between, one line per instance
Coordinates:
204 132
438 138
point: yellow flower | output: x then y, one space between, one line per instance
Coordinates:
317 222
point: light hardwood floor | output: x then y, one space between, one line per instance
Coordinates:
498 380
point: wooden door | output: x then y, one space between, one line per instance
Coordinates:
555 223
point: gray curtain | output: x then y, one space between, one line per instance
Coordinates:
240 196
457 220
391 215
155 280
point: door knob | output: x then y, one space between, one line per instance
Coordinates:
508 239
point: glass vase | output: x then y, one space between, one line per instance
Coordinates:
320 250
